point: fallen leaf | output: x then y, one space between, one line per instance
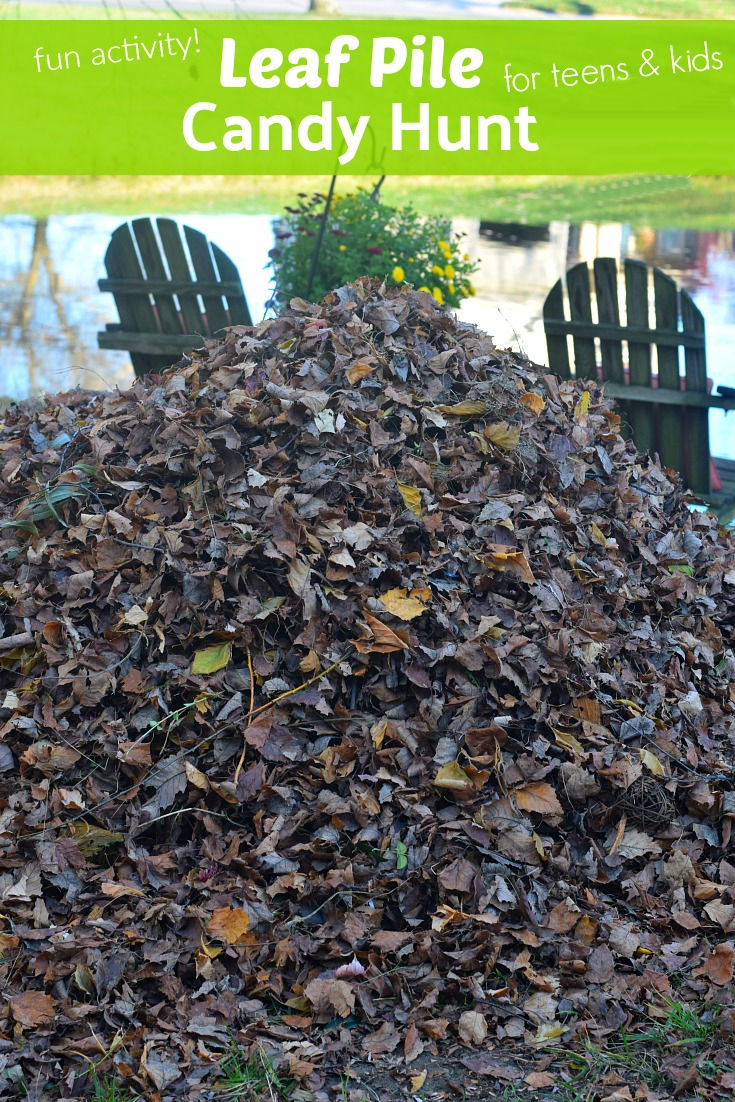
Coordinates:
411 497
453 777
358 370
534 402
514 562
503 435
399 604
719 966
32 1008
651 762
538 1080
211 659
538 797
229 924
463 409
582 407
472 1027
328 996
384 639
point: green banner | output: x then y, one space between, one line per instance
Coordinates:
311 96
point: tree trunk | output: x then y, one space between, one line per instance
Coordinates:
323 7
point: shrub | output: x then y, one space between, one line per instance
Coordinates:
366 237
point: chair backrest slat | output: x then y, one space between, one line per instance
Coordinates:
172 288
580 308
677 429
608 311
236 304
168 315
671 420
695 369
642 418
556 343
135 310
178 265
204 268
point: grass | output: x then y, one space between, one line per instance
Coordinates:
637 1057
109 1090
638 9
655 201
251 1077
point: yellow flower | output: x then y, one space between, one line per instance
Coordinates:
471 287
466 256
443 245
410 260
449 272
342 248
436 292
447 254
450 286
424 289
398 274
436 270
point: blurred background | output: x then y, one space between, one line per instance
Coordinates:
525 233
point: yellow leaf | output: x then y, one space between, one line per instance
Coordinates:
539 845
411 497
358 370
630 704
211 659
229 924
310 664
586 930
201 703
196 777
453 776
378 732
651 762
534 402
503 435
568 741
445 916
463 409
211 951
401 605
515 562
546 1031
538 796
580 410
417 1081
598 535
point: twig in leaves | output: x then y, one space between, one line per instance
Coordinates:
250 714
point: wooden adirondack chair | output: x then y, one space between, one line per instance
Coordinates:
168 301
667 411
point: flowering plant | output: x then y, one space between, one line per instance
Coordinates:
365 237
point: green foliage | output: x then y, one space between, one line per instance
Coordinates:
251 1077
366 237
109 1090
76 483
638 1056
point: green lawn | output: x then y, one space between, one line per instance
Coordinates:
656 201
166 9
637 9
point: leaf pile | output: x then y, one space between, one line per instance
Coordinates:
362 692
